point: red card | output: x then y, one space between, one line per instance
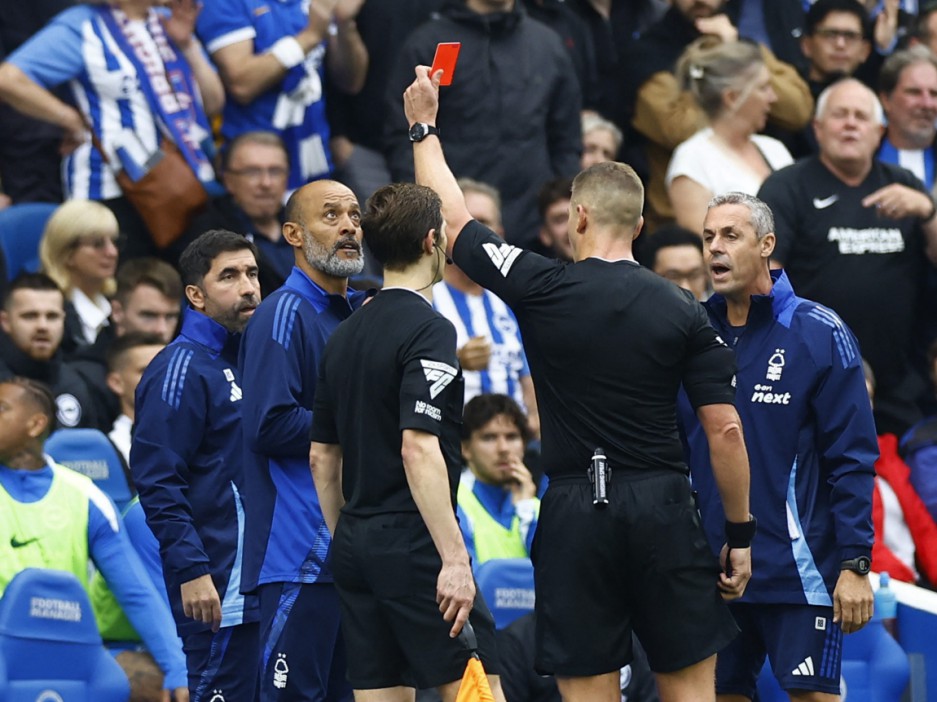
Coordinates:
446 55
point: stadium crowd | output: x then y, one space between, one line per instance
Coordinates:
210 166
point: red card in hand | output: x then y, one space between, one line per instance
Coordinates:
446 55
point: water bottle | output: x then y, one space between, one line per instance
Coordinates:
886 605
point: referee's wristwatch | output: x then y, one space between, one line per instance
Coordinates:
420 130
861 565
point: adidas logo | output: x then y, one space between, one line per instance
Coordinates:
236 392
502 256
805 668
438 375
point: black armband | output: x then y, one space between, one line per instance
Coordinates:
740 534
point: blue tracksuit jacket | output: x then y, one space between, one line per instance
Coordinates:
187 463
811 443
287 538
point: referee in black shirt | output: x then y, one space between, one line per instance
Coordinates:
609 344
386 453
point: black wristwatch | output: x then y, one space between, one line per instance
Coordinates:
861 565
420 130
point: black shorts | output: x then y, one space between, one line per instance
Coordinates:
641 563
385 569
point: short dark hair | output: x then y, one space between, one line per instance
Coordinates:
821 8
553 191
131 340
263 138
198 256
148 271
30 281
40 395
665 237
398 216
481 409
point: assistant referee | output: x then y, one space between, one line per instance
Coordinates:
609 343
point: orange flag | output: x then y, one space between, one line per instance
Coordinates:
474 687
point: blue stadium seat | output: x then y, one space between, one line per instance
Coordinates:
507 584
874 664
90 452
21 228
50 649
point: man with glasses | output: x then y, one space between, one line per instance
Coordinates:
254 170
838 41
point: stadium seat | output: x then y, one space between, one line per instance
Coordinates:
50 649
875 666
507 584
21 228
90 452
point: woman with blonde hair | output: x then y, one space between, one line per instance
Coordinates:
79 252
731 84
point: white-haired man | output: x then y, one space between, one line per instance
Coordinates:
852 233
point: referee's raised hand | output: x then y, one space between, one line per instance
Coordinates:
421 98
455 593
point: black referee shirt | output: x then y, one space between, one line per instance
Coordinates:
608 344
390 366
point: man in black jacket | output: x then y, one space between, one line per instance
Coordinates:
33 322
512 111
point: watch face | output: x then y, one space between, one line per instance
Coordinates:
864 565
418 131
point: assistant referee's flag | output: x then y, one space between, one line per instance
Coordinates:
474 686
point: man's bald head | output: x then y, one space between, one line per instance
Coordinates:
323 224
313 193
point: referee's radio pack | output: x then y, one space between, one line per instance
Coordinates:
599 475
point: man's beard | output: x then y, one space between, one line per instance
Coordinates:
328 261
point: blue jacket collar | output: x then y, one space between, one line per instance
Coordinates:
205 331
777 305
316 295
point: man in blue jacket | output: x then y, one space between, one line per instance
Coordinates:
811 442
187 462
285 560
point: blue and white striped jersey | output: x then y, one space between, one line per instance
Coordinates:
295 107
486 315
78 47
